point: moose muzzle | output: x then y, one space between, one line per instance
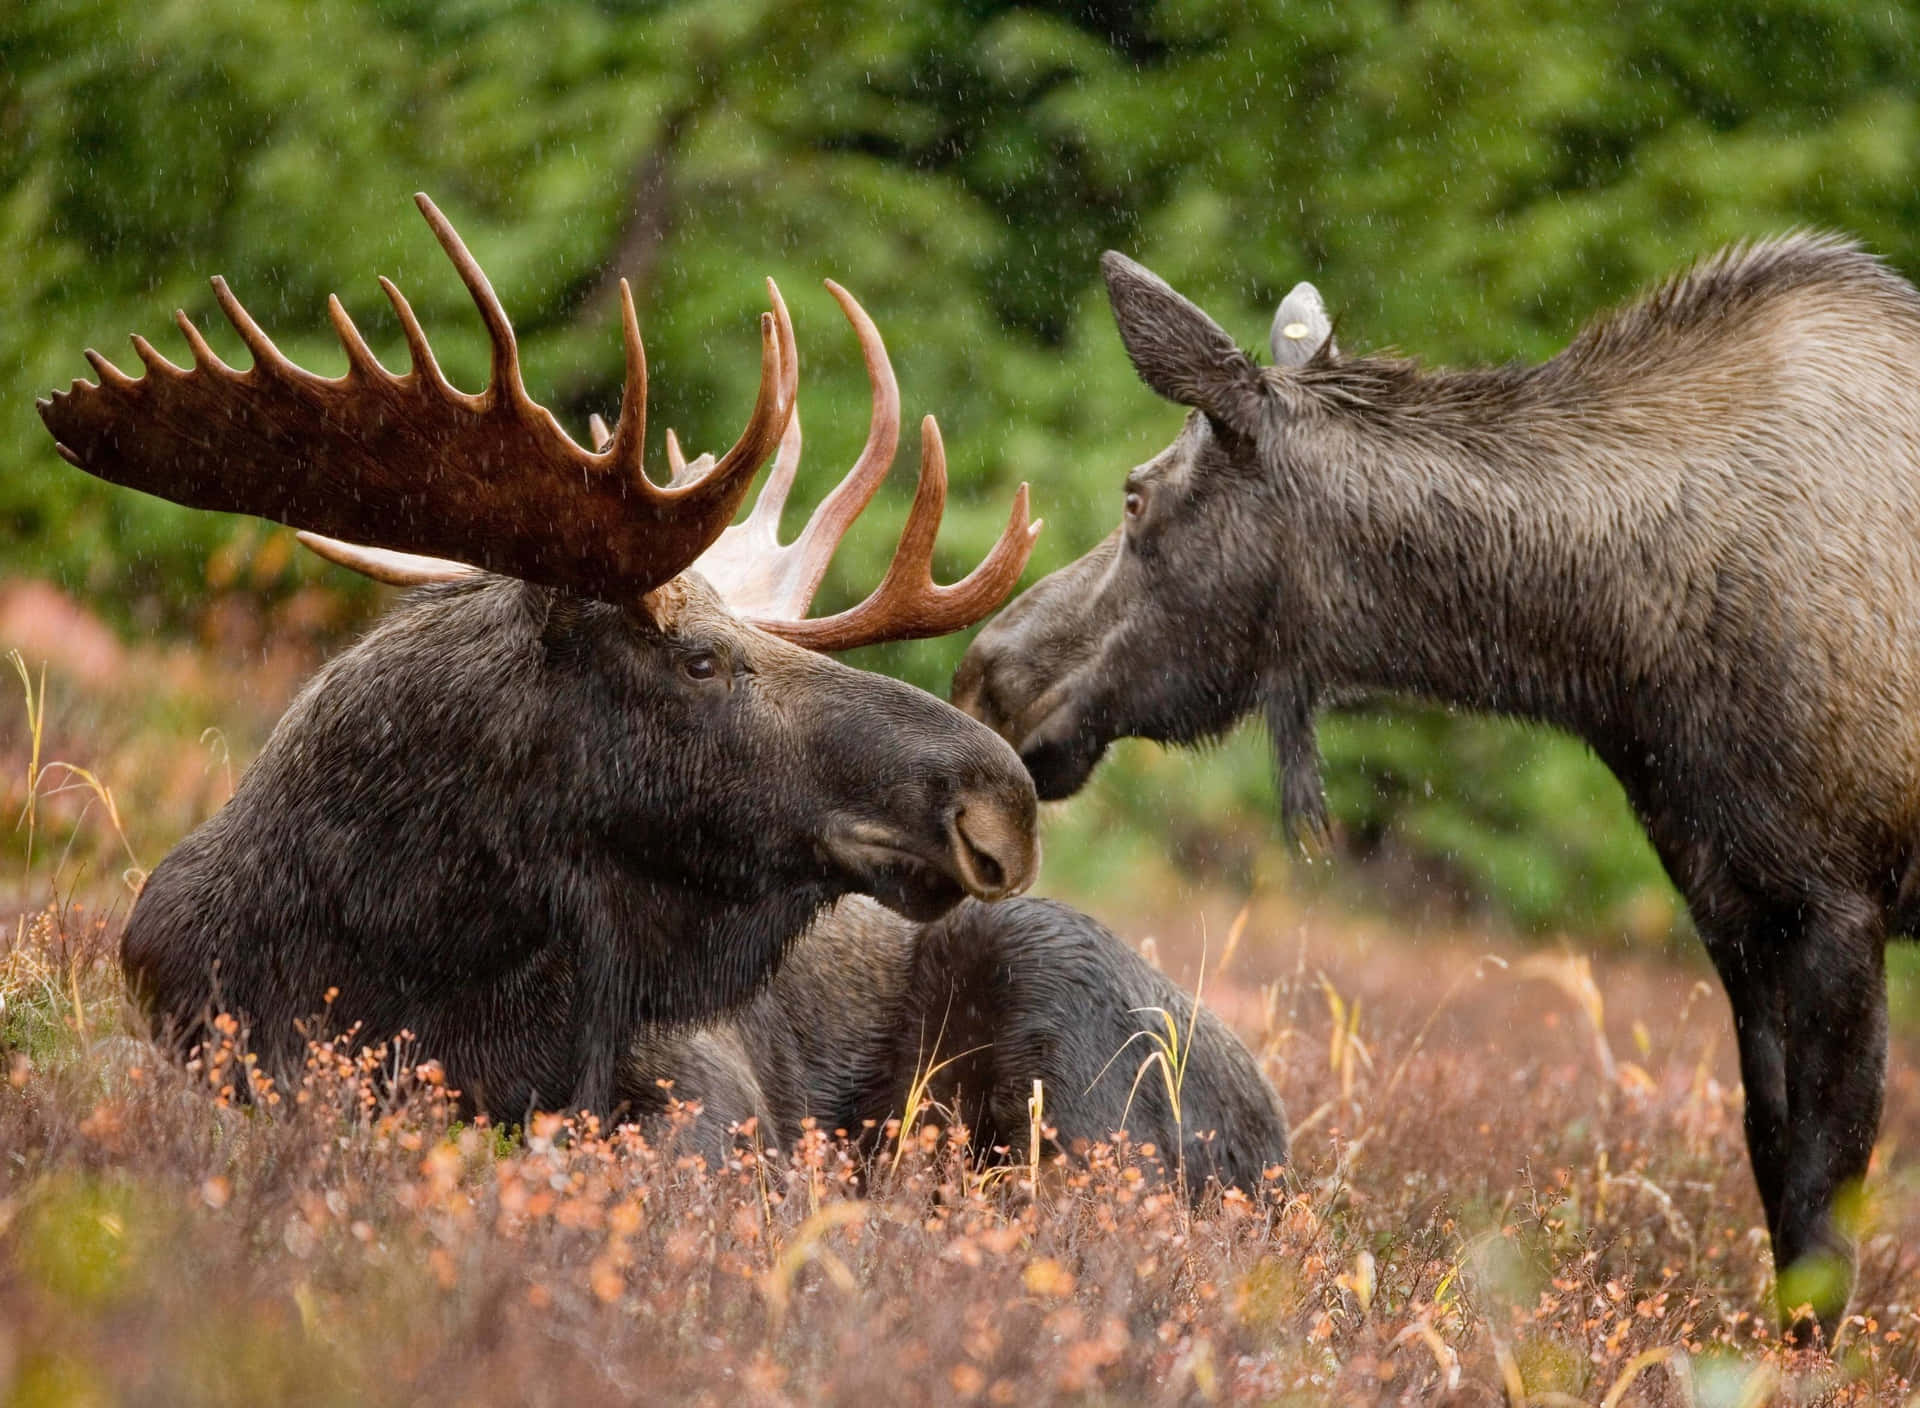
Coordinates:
1034 675
955 816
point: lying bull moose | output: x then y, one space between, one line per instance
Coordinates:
582 813
1691 539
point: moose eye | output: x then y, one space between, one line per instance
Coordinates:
702 666
1136 503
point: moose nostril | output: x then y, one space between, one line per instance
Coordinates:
995 849
985 867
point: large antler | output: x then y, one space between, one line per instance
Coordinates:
408 464
772 585
761 578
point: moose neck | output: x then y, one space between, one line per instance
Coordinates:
691 956
1512 540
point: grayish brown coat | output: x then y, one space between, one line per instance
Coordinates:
1692 539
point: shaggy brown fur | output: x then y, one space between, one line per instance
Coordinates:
1693 539
985 1002
511 822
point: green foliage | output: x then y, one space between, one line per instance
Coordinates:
1552 841
1466 181
80 1239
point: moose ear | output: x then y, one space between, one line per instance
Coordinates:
1178 350
1301 328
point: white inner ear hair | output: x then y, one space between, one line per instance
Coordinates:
665 602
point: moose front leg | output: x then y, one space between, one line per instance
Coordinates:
602 1023
1836 1029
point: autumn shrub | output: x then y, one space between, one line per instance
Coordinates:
1524 1181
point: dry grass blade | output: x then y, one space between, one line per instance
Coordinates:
36 724
917 1096
805 1247
1036 1130
1573 974
39 774
1444 1357
1640 1362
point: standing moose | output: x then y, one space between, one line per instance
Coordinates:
582 814
1692 539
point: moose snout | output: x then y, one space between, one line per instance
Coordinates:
1024 664
969 691
994 842
1044 718
989 686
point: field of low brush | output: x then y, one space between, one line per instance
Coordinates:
1518 1176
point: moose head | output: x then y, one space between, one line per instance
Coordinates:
1170 628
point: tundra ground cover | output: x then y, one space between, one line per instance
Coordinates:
1518 1176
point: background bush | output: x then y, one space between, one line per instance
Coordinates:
1464 181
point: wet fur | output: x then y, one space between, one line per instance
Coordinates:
1692 539
503 823
996 997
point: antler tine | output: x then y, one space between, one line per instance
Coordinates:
398 569
763 519
109 374
505 375
752 570
748 564
682 474
684 471
360 357
630 438
267 359
597 428
908 604
203 355
155 362
425 367
728 480
835 514
762 522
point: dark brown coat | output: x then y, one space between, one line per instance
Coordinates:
515 824
989 999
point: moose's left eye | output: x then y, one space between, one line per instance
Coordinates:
1136 503
703 666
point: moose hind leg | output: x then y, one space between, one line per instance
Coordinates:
1836 1049
1034 991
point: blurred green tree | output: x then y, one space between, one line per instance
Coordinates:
1467 181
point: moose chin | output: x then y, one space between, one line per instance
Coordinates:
1688 539
590 808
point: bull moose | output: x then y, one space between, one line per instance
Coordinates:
588 809
1689 539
